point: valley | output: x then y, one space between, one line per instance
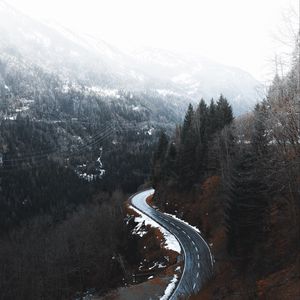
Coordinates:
144 172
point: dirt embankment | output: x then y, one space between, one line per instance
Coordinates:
279 280
151 275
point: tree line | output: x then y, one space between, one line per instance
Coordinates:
183 160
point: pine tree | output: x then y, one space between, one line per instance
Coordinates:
162 147
259 136
186 153
187 123
159 158
224 115
200 123
246 206
169 165
212 118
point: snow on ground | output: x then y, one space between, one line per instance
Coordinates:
104 92
11 117
156 264
170 288
150 131
165 93
136 108
170 241
22 109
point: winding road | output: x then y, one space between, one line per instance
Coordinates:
198 260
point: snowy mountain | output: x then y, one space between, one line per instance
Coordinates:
29 48
196 77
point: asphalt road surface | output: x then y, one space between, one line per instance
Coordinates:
198 261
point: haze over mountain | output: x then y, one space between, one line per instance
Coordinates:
29 48
84 124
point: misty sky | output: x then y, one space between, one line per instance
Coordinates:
234 32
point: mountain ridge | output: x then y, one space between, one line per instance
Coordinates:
94 63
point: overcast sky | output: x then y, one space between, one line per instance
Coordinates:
234 32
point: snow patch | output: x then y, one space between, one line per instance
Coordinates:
158 265
11 117
170 288
165 93
170 241
97 169
104 92
150 131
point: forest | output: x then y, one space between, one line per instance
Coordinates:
55 242
101 101
238 180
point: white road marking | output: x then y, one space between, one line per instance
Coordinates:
193 243
198 265
189 237
194 286
198 256
197 274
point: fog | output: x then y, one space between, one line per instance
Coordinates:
238 33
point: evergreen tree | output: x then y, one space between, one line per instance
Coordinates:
212 118
159 158
200 121
187 123
259 136
191 149
186 152
170 164
162 147
224 114
246 206
201 134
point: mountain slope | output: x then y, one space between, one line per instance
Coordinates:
196 77
77 59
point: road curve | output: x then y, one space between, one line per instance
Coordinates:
198 261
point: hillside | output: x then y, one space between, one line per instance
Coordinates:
84 124
51 57
238 181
